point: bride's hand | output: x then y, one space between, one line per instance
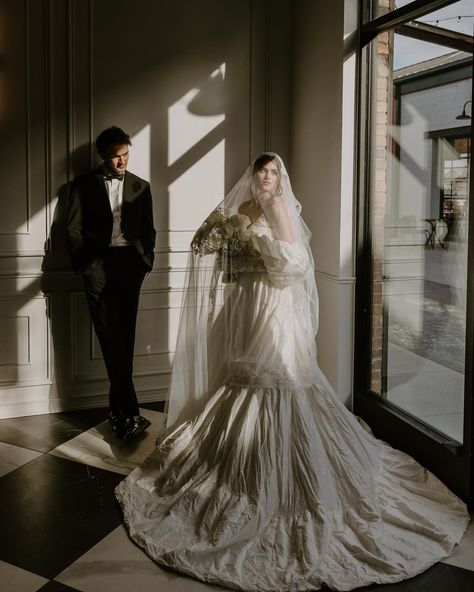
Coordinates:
265 197
277 216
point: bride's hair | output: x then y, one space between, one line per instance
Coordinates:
264 159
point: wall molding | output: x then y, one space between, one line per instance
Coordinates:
335 279
67 100
47 404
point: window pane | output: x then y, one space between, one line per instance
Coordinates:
419 204
447 17
412 52
455 17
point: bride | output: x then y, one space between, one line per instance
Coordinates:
263 480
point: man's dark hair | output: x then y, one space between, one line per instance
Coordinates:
112 136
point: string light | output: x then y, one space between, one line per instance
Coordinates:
448 18
440 20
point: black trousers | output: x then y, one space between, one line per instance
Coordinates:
112 284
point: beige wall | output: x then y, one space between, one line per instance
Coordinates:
201 94
322 125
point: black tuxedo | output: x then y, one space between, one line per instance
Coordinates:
112 275
89 225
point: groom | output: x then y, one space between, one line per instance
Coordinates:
111 238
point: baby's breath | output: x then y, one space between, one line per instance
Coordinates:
227 237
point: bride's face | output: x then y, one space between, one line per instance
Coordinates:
267 177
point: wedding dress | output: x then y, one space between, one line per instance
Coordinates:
269 483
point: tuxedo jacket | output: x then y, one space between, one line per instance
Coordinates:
89 218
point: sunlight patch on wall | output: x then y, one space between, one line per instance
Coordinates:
140 153
186 125
198 190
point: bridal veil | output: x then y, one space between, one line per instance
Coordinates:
222 250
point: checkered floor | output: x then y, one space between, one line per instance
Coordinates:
61 528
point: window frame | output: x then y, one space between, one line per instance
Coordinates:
447 458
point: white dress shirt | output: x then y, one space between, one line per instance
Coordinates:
115 191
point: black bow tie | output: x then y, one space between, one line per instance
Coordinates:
110 176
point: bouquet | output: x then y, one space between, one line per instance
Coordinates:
229 238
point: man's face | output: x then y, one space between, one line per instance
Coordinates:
116 158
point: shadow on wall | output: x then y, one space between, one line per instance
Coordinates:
184 92
59 279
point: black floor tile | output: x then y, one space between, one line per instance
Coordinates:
54 510
37 432
154 406
85 419
53 586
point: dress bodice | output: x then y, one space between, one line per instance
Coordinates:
284 262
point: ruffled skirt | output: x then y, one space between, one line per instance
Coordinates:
279 489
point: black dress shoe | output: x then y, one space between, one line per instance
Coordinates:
117 423
133 426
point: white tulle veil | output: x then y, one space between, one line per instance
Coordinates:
225 249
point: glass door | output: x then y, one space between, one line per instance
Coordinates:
413 334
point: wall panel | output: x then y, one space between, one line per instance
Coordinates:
196 97
22 120
24 341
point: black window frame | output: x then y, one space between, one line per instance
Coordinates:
450 460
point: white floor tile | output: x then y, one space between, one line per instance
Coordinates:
463 555
98 447
117 564
12 457
15 579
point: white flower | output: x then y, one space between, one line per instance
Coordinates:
226 235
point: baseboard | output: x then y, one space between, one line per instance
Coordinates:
58 404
